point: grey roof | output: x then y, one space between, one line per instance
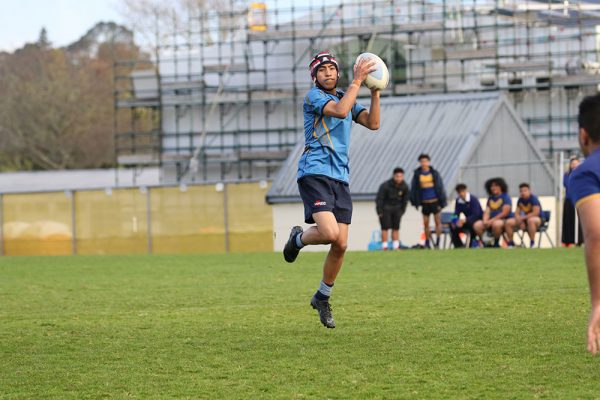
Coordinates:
447 127
49 181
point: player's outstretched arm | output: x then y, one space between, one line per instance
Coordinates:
589 213
343 107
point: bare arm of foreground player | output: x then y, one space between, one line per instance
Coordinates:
589 213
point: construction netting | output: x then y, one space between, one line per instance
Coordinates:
111 222
184 219
250 219
188 219
39 224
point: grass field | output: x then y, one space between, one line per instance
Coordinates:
415 324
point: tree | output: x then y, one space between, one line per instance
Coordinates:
56 106
43 41
155 19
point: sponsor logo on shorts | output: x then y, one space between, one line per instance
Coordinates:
320 203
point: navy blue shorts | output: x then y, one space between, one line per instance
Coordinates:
320 193
430 208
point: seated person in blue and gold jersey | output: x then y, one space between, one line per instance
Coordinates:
427 191
528 214
584 188
496 213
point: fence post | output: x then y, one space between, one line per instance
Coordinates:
73 223
226 216
148 219
1 224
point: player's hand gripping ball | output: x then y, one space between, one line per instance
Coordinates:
379 78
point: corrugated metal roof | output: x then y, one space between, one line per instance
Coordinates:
447 127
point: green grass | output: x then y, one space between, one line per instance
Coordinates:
417 324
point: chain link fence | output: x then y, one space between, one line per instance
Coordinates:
232 217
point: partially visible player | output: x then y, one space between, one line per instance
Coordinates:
323 173
528 214
584 187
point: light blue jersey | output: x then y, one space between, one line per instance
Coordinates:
326 138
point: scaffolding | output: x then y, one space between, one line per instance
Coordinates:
222 97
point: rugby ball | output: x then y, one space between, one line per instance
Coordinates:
379 78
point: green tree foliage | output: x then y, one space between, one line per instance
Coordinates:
56 105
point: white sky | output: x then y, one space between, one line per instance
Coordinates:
65 20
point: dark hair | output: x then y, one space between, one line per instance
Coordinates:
424 155
589 117
573 158
495 181
460 187
524 184
398 170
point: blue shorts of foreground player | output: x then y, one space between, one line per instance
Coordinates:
320 193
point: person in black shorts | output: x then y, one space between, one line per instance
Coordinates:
391 201
427 191
323 172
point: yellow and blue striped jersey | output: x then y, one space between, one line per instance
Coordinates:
427 186
525 206
495 203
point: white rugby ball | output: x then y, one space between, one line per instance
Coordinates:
379 78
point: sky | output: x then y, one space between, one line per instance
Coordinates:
65 20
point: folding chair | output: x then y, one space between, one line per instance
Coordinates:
542 230
446 218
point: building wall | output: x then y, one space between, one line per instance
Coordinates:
502 145
365 221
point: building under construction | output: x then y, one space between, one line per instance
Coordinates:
222 97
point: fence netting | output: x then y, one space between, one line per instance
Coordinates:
165 220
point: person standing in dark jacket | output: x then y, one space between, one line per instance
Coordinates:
427 191
468 205
392 198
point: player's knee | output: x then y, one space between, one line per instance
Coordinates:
339 246
330 234
498 224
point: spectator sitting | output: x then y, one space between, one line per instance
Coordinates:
498 209
468 205
528 214
392 198
427 191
